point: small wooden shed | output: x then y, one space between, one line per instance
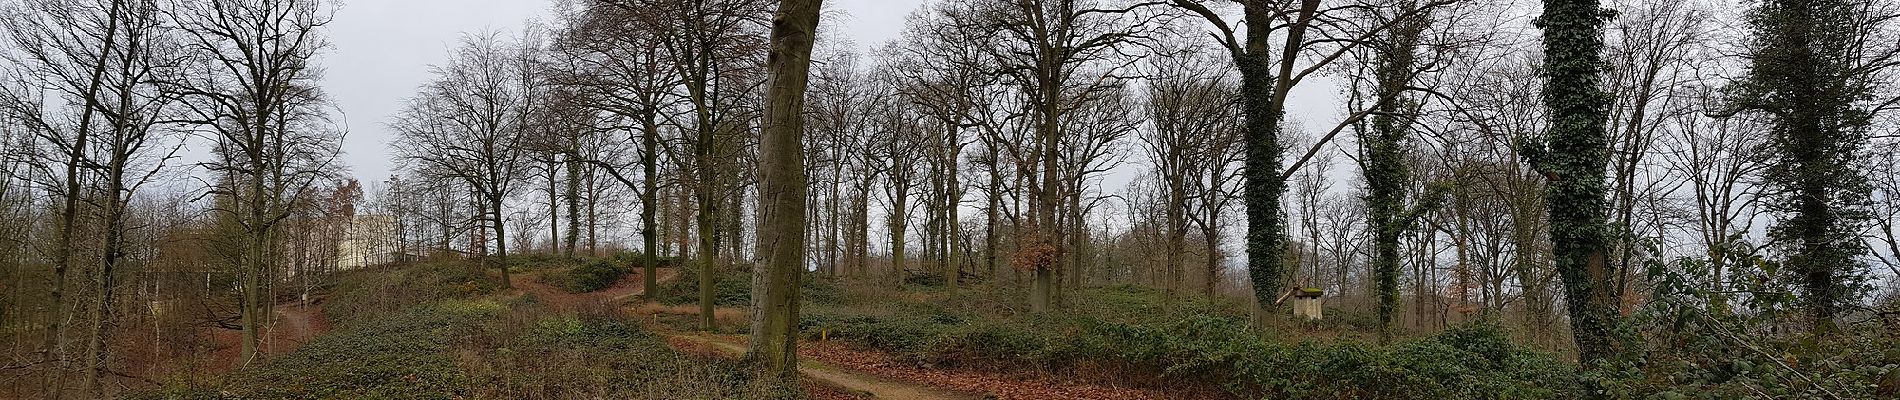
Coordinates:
1306 303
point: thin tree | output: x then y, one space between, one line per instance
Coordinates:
468 125
67 46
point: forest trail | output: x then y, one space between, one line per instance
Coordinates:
856 383
732 345
628 287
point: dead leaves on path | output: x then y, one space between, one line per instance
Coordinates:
996 385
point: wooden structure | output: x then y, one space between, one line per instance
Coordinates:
1306 303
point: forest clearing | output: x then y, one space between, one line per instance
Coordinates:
950 199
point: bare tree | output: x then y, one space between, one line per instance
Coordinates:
1192 106
624 73
469 125
65 47
259 99
1061 54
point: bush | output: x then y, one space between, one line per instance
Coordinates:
730 288
532 354
638 259
401 356
588 277
819 290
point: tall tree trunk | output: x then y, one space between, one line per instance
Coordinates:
990 215
1574 161
573 202
782 192
649 200
554 206
898 223
501 236
69 209
1263 97
1384 167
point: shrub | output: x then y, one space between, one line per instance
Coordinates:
638 259
587 277
819 290
534 355
400 356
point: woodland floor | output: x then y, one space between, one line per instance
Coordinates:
856 373
833 370
292 324
851 384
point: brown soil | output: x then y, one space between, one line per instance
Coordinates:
292 325
625 290
853 384
994 384
196 353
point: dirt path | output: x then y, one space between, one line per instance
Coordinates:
633 285
857 383
627 288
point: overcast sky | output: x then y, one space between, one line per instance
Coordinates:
381 51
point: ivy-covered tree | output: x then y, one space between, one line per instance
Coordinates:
1573 155
1382 153
1804 77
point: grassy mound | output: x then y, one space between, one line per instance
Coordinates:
451 342
1137 336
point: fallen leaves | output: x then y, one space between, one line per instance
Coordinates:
995 384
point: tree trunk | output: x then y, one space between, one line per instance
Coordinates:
501 237
782 192
1573 160
573 203
69 209
649 202
1263 97
554 207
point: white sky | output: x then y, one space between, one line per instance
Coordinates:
382 50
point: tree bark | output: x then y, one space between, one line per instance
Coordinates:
782 192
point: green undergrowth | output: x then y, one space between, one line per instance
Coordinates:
733 288
1141 336
588 276
1861 364
457 344
375 293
